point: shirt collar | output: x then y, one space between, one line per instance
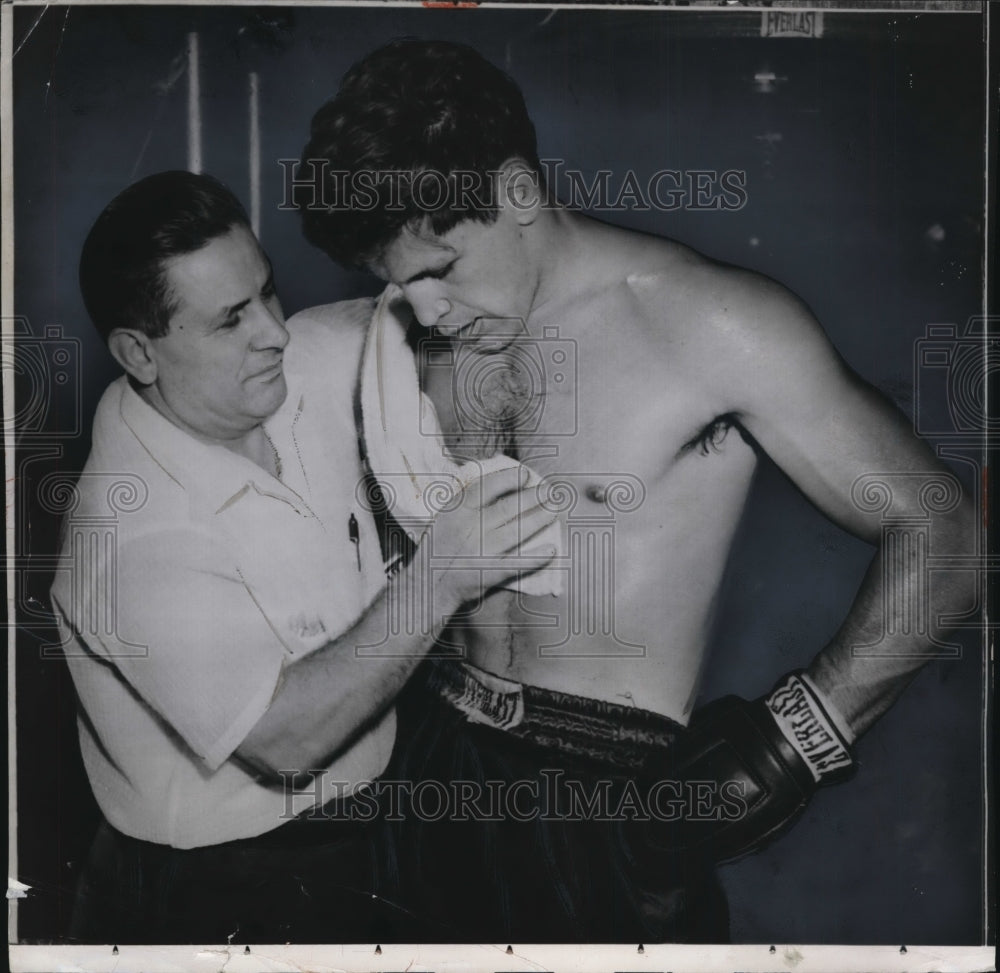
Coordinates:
213 472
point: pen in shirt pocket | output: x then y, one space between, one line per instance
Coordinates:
354 535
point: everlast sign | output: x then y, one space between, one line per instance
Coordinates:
800 23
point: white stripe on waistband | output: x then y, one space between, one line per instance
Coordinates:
482 696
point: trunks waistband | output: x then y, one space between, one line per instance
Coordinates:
577 726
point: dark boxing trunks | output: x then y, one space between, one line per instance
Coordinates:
524 817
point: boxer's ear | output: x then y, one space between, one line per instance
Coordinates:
520 190
132 350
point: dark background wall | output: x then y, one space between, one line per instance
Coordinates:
863 162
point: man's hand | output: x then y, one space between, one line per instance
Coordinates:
484 539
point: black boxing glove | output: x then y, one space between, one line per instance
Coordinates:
748 769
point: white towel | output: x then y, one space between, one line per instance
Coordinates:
405 444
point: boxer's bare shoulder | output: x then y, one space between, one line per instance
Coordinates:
727 315
738 343
329 337
764 362
688 337
345 320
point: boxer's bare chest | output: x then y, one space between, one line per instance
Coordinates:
584 390
646 475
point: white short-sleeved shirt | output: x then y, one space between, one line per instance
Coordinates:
181 604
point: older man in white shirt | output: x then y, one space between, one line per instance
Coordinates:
217 647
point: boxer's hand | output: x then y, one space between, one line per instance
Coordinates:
758 764
485 540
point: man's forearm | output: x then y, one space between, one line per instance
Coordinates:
327 698
879 648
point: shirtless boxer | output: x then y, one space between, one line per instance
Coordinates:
684 370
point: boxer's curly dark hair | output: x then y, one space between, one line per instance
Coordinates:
414 132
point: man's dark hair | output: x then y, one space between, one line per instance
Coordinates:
414 133
122 264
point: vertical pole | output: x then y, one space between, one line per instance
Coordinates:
254 153
194 104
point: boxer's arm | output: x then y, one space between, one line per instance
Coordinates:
827 429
